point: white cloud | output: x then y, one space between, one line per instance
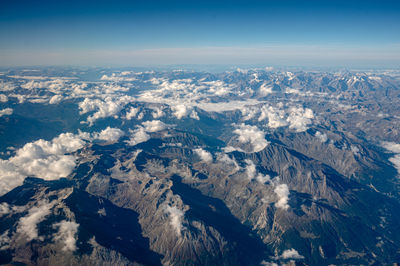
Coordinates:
66 234
140 116
300 118
3 98
7 86
321 136
248 113
43 159
112 88
395 148
263 178
6 111
265 89
119 77
104 108
218 87
391 146
5 240
194 115
282 191
250 169
296 118
251 135
27 225
132 113
291 254
224 158
56 99
180 110
276 117
5 208
137 136
140 135
51 84
154 126
109 134
176 216
395 160
226 106
157 113
204 155
251 172
355 150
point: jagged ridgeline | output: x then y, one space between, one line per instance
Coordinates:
246 167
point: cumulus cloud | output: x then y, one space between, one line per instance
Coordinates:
43 159
48 160
103 108
140 135
132 113
251 172
276 117
180 110
194 115
176 217
56 99
251 135
282 191
7 86
66 234
391 146
250 169
204 155
27 225
109 134
6 111
321 136
299 118
355 150
108 107
291 254
154 126
137 136
248 113
3 98
218 87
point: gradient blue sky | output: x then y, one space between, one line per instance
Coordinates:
336 33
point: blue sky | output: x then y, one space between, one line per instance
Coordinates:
337 33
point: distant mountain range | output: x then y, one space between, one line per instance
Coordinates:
248 167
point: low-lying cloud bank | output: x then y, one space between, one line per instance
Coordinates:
48 160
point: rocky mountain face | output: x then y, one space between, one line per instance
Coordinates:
237 168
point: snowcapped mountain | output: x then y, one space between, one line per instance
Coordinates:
106 166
